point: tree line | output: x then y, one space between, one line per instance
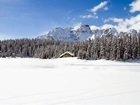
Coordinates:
121 47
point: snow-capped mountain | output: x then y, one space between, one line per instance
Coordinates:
60 34
78 33
82 32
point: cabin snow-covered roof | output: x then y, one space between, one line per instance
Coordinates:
67 52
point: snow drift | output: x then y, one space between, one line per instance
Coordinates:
68 81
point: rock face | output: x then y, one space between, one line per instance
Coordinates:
80 33
83 32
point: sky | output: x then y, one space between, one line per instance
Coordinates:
31 18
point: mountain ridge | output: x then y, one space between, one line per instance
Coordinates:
80 33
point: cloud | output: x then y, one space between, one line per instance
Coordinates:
105 26
93 27
106 8
4 36
135 6
126 24
125 8
93 12
102 5
89 16
115 20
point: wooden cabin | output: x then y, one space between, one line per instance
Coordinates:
66 54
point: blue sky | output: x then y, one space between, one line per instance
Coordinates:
29 18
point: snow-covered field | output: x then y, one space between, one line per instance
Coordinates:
68 81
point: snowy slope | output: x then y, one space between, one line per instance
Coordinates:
68 81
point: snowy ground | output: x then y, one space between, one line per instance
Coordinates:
68 81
